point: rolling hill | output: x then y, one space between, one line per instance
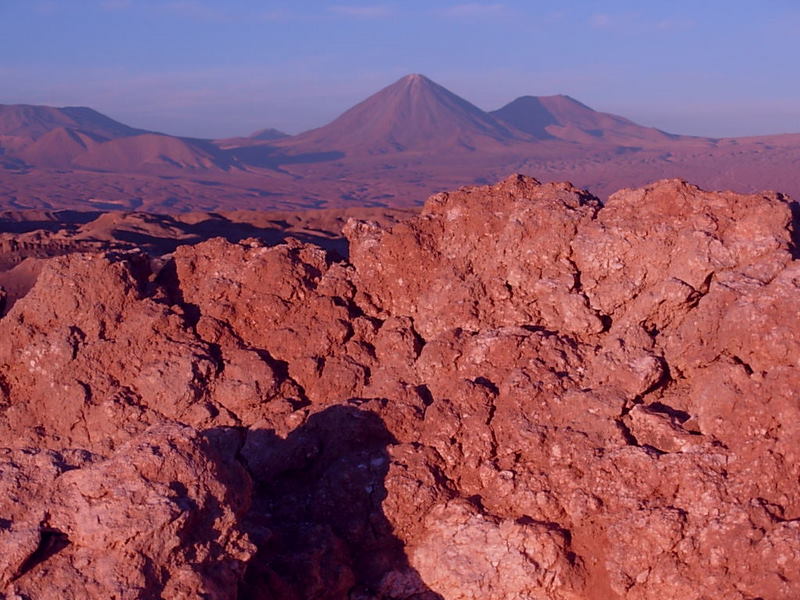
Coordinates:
32 122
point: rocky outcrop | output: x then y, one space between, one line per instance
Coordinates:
480 261
159 518
518 393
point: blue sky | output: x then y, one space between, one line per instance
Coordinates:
214 68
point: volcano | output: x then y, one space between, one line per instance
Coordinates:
408 140
563 117
269 134
412 114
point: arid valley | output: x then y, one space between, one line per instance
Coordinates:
407 141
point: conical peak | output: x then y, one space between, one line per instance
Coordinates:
415 81
416 90
415 78
412 113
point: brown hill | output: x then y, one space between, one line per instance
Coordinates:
413 114
562 117
57 148
32 122
151 151
77 137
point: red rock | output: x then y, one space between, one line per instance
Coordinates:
80 365
518 393
465 554
158 519
276 300
527 278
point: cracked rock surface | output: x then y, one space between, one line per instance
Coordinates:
519 393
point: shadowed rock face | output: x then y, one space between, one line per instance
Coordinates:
518 393
158 518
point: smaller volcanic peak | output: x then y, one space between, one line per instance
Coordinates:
533 114
268 134
412 114
563 117
30 121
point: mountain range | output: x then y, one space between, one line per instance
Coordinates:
409 139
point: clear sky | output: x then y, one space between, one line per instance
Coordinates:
222 68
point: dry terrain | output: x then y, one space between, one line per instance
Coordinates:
520 392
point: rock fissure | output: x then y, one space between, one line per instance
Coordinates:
51 541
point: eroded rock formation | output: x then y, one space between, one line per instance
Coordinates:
519 393
159 518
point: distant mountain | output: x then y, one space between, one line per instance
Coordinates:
413 114
268 134
78 137
410 139
32 122
562 117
